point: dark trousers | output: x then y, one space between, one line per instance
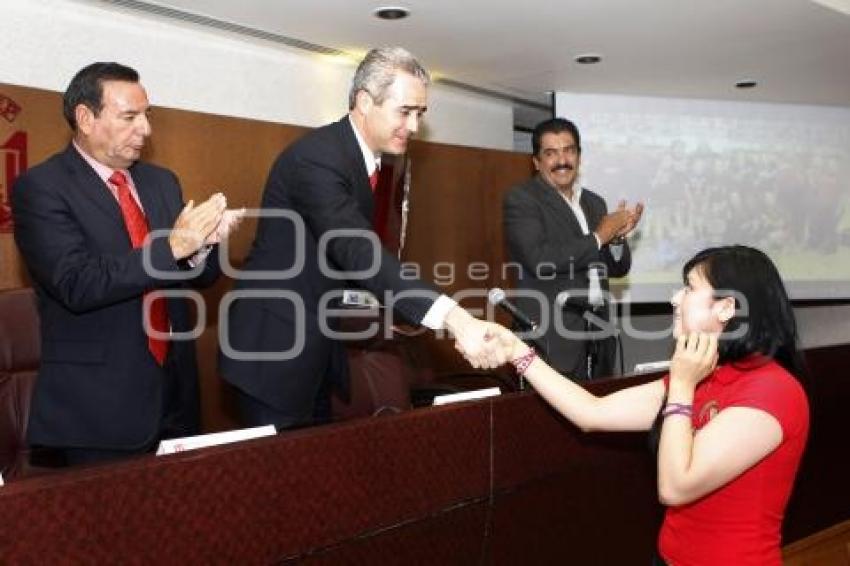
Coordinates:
54 457
89 456
172 424
255 412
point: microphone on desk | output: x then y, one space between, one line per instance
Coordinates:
498 298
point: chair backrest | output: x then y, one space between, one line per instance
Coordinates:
20 352
379 385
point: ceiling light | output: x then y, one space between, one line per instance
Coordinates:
746 84
588 59
391 13
842 6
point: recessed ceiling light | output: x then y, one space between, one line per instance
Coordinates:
588 59
391 13
842 6
746 84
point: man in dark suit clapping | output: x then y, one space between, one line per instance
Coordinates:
112 382
567 245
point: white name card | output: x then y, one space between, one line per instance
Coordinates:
648 367
174 445
1 479
466 396
362 299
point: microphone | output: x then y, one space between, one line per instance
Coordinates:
498 298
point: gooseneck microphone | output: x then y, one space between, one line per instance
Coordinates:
498 298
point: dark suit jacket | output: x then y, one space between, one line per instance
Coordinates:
544 236
321 182
98 385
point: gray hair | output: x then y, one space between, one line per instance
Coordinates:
377 71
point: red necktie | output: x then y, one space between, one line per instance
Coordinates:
382 191
137 228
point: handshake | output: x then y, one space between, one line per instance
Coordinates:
485 345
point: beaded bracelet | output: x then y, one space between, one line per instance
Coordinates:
521 363
677 409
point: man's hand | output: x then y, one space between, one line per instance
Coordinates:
195 224
513 346
619 223
613 223
230 220
634 218
477 339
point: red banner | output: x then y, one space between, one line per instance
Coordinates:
13 161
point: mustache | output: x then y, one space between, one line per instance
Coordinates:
562 167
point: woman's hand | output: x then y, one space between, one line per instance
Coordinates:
511 344
694 359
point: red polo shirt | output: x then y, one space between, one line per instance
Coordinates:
740 523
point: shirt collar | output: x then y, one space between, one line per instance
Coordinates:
577 189
576 195
103 171
371 160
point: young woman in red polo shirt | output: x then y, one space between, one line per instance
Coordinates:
734 419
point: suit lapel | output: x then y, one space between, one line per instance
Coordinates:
356 166
557 206
92 187
89 185
151 198
591 212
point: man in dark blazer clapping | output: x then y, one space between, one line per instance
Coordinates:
99 231
567 245
315 239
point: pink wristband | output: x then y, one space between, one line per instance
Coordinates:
521 363
677 409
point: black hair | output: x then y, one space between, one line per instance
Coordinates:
87 88
764 321
554 126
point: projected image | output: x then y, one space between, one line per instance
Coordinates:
715 173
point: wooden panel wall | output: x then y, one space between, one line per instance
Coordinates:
40 117
456 191
456 220
208 153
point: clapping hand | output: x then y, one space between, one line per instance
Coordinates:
633 217
195 224
230 220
